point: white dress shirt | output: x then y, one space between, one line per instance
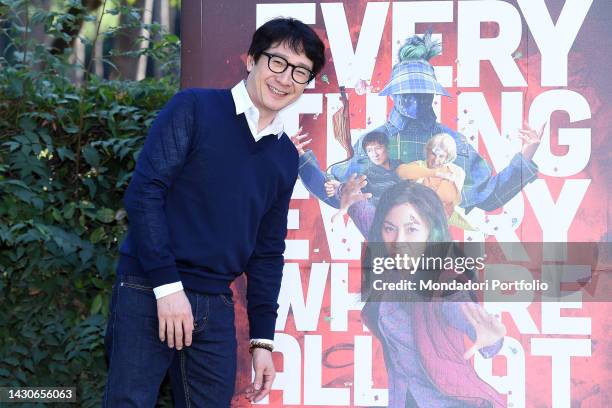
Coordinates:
245 105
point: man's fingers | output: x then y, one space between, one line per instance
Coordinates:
296 133
178 334
162 329
300 136
258 381
175 318
299 146
170 333
249 391
188 329
267 386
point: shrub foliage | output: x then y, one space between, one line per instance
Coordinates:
67 152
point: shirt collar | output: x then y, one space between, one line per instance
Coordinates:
245 105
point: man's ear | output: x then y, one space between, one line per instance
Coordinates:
250 63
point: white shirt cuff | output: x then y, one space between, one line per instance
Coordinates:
168 289
265 341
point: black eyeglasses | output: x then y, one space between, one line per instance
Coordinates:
278 65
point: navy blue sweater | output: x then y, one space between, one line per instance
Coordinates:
207 203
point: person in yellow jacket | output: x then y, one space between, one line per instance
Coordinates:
439 173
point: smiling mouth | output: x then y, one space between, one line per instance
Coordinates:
276 91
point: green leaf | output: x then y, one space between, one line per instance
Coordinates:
71 129
86 254
103 265
171 38
20 350
28 365
69 211
91 186
65 153
11 360
91 156
97 235
26 123
96 305
105 215
56 214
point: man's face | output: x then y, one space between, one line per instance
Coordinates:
436 157
377 153
271 92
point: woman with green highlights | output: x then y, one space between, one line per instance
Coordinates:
423 339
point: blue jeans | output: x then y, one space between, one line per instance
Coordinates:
202 375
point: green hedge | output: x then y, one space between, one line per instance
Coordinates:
66 157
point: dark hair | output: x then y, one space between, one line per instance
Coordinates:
424 200
295 34
374 137
429 206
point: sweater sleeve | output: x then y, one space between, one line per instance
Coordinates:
314 178
164 153
265 269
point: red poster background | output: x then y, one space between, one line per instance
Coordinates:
216 37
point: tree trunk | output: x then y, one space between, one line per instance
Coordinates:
78 57
124 41
147 17
97 55
162 14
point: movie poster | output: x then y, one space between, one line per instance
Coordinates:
503 65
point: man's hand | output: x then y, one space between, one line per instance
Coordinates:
331 187
350 194
351 191
531 139
175 319
264 375
297 141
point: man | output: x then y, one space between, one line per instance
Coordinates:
412 123
379 171
208 200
